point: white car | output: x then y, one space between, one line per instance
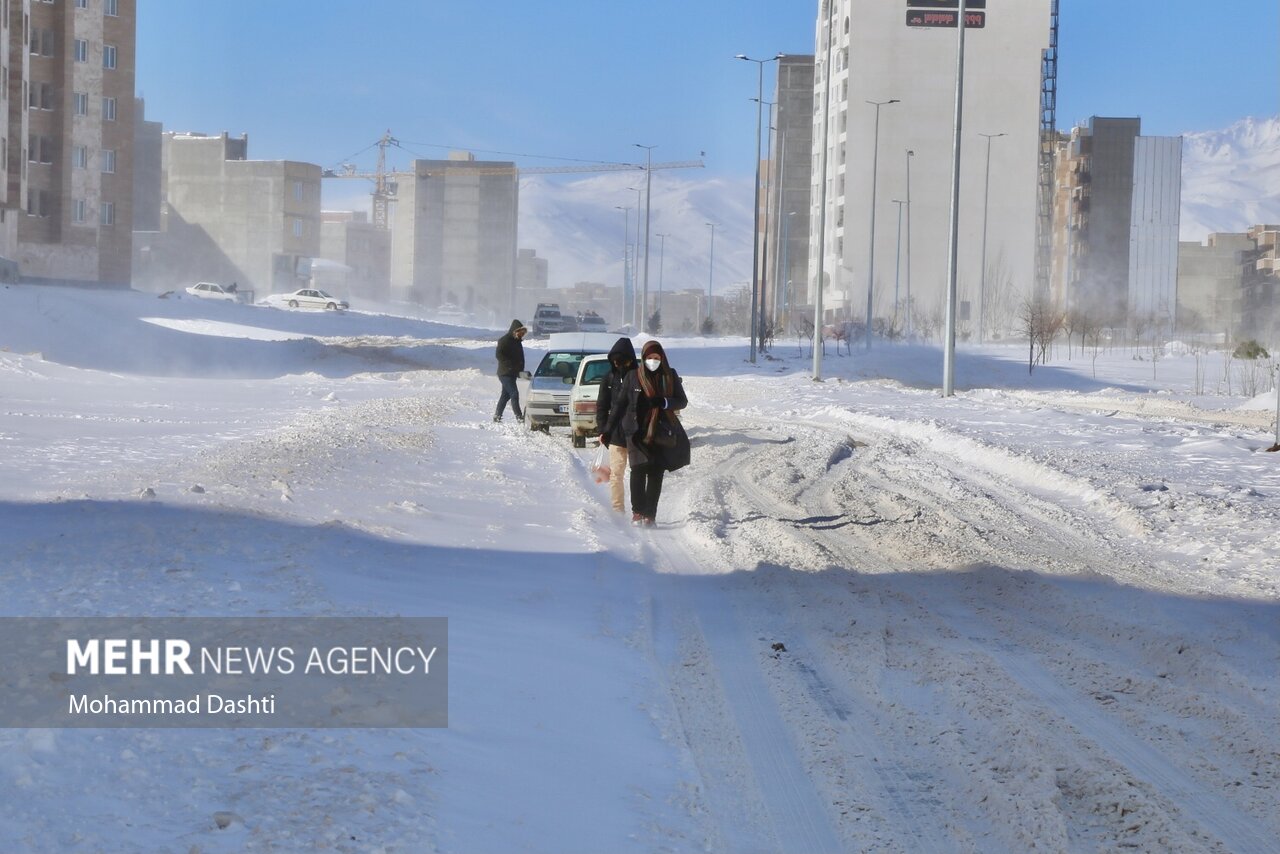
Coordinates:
592 371
208 290
312 298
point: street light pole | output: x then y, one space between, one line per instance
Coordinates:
648 185
755 243
910 154
662 254
784 277
897 267
822 200
982 287
953 240
626 234
711 267
871 249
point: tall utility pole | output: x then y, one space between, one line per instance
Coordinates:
626 236
755 243
711 267
910 154
986 198
897 266
822 199
953 240
784 278
648 185
871 247
662 254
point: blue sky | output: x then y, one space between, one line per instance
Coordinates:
321 79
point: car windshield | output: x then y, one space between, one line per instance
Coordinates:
560 364
594 372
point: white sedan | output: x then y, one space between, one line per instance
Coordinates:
208 290
311 298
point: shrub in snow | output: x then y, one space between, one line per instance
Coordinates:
1250 349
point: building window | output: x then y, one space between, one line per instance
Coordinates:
111 7
108 56
108 109
38 202
42 43
297 227
39 149
79 211
82 103
82 50
82 4
108 161
40 96
297 191
108 213
79 157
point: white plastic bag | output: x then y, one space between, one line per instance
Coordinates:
600 465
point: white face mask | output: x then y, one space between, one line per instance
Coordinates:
653 364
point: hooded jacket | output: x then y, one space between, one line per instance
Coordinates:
510 352
648 394
609 424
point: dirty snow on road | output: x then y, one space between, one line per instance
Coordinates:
1039 616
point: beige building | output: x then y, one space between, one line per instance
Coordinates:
1260 286
1209 279
355 257
454 236
228 219
75 80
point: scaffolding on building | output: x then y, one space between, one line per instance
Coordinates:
1048 144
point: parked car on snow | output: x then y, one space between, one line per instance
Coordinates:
582 399
546 319
551 386
589 321
208 290
308 298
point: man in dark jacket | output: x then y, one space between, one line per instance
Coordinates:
622 360
510 353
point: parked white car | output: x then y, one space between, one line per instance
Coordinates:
548 400
310 298
582 400
208 290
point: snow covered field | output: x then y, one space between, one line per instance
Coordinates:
1043 615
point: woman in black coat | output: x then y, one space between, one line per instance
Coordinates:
651 395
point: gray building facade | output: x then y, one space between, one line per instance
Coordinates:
787 280
1100 279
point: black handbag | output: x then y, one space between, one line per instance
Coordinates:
664 435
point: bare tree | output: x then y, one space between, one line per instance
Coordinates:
1042 322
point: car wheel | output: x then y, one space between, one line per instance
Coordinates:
331 307
293 303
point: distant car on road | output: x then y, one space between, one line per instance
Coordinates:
589 321
208 290
309 298
547 319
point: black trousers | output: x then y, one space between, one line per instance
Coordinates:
646 488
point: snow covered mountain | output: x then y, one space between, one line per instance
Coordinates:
575 225
1231 177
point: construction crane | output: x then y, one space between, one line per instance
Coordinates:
385 183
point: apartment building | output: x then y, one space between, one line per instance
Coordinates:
226 218
788 204
454 236
71 65
1209 283
361 252
1260 285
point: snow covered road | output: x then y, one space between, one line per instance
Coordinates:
869 619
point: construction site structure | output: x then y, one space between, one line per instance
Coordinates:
1048 148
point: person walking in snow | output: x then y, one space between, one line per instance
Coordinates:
622 361
650 397
510 354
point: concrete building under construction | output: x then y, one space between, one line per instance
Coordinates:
454 236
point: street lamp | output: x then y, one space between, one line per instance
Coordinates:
897 267
786 271
755 244
986 197
662 254
871 252
910 154
711 266
626 233
758 317
648 184
953 238
829 29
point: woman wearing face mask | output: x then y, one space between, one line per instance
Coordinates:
656 441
